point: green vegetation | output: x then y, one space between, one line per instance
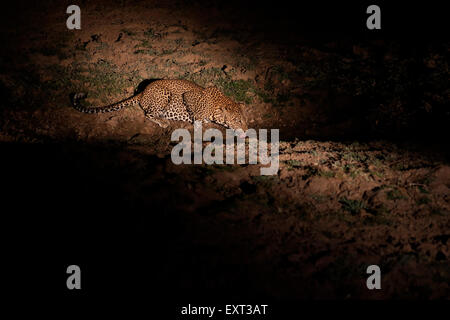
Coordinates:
377 173
352 170
352 206
293 163
105 79
145 47
236 89
205 76
145 51
327 174
355 156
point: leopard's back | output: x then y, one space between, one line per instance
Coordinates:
164 99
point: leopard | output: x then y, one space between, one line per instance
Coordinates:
179 100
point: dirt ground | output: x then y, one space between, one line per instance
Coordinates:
345 196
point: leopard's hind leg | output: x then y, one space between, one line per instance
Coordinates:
154 103
176 110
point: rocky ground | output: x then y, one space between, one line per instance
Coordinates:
345 195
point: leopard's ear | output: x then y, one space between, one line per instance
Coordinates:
192 98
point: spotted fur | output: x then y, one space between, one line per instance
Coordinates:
180 100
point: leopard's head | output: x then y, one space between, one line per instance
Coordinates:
234 117
227 112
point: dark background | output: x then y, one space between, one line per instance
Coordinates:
51 191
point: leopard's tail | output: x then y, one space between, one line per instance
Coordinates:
75 98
